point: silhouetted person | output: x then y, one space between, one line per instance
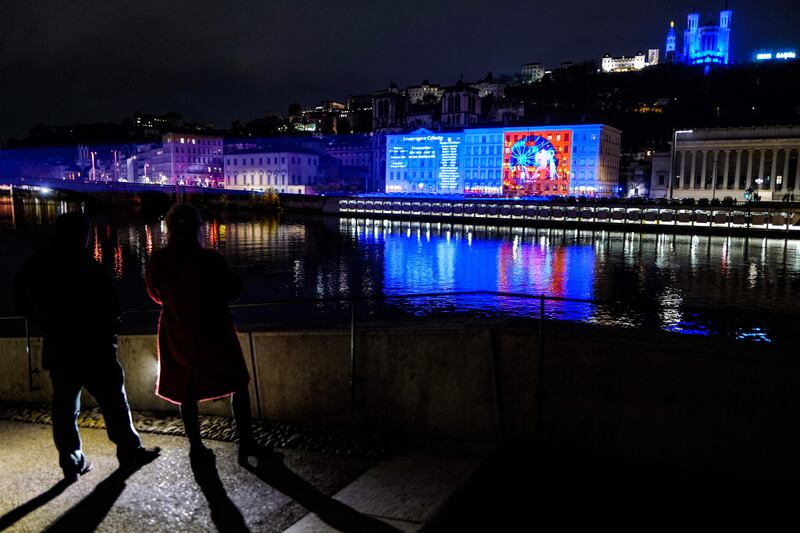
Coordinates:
199 355
71 298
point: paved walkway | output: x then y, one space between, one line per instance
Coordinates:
170 494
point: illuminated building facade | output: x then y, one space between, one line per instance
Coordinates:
489 87
186 159
628 64
295 171
532 72
736 162
425 92
702 44
508 161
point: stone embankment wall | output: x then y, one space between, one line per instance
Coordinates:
656 398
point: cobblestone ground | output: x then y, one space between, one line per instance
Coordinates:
324 439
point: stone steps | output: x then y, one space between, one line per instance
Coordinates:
402 492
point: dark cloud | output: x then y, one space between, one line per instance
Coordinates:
83 60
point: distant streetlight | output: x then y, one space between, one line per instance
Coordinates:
672 159
714 176
94 171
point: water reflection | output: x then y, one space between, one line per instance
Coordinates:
688 284
736 287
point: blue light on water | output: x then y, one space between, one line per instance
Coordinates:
424 261
689 329
754 335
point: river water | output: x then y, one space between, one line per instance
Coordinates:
740 288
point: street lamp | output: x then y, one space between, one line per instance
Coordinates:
672 159
714 176
94 172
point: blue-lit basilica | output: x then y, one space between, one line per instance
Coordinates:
702 44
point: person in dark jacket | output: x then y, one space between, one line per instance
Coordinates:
72 300
199 355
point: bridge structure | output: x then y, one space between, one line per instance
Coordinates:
779 219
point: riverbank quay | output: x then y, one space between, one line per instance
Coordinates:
306 491
755 219
763 219
684 403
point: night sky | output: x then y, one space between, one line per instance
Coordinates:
71 61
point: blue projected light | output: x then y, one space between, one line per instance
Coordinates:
424 162
522 155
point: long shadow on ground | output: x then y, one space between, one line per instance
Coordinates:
224 513
272 471
16 514
87 514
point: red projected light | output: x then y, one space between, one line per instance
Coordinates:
536 162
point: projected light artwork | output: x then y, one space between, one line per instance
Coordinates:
536 163
423 162
505 161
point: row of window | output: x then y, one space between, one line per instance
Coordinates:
234 161
202 160
189 140
253 179
207 151
491 173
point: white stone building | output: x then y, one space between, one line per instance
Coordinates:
629 63
735 162
425 91
532 72
295 171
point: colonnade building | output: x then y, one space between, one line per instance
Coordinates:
735 162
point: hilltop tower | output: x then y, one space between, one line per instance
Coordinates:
725 34
671 42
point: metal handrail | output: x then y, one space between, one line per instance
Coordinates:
354 301
370 298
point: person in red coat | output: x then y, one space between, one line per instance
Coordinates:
199 355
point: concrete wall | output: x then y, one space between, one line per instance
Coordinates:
681 401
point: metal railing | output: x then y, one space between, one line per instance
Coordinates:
744 217
353 304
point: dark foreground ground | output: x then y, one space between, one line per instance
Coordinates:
432 487
308 491
535 489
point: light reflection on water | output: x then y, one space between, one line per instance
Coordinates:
687 284
741 288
